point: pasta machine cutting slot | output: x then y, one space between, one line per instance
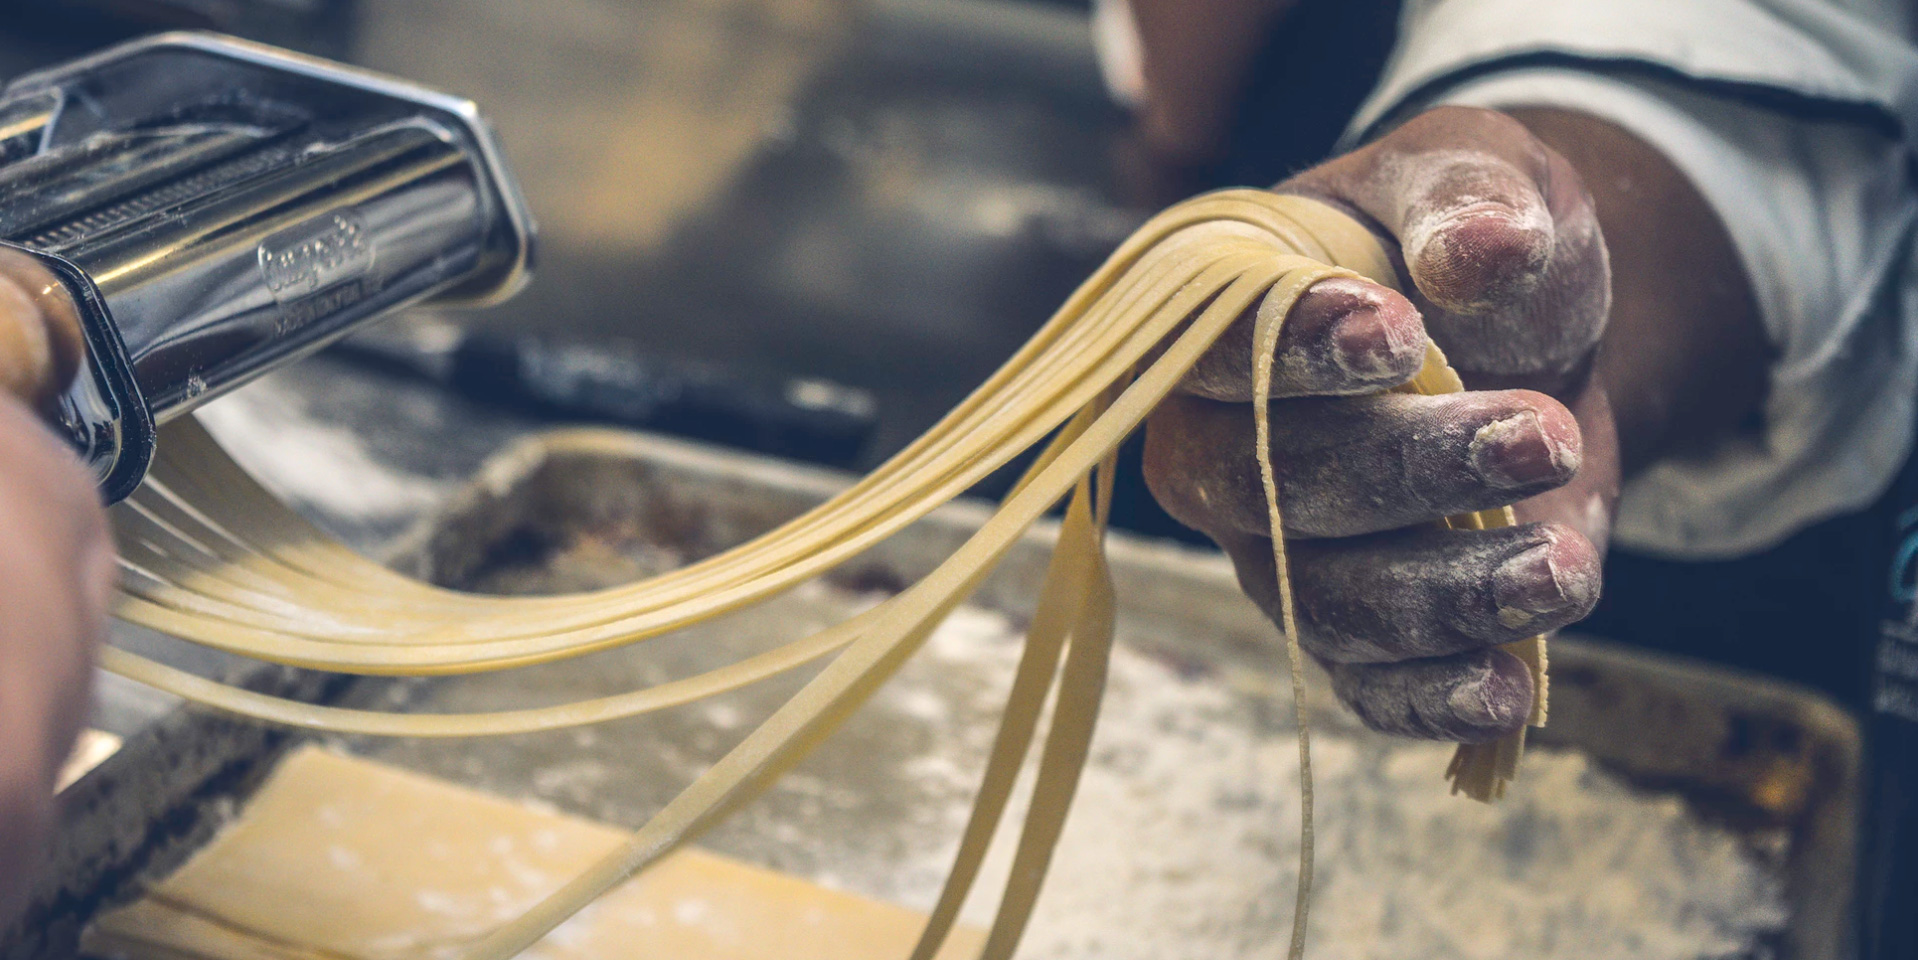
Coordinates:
215 208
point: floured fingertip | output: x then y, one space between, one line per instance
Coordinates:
1373 338
1492 701
1472 259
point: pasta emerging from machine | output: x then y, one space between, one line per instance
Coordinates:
232 207
208 555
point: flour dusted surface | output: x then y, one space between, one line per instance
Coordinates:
1181 844
1182 840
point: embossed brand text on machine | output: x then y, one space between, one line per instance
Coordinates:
316 255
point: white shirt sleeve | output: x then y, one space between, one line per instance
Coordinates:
1815 53
1820 214
1792 119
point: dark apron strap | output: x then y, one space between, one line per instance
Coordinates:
1888 891
1888 879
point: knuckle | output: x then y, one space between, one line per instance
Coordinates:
1172 473
1199 465
1252 564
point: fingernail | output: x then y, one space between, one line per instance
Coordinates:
1368 348
1478 257
1493 701
1514 452
1529 585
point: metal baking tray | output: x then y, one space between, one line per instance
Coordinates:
1775 764
876 810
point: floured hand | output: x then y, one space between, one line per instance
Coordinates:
1509 275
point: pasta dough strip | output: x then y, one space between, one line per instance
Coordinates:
831 696
191 464
1265 337
550 635
212 557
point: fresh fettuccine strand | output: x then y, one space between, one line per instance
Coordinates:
209 555
1265 337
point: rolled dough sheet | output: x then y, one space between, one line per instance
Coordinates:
340 858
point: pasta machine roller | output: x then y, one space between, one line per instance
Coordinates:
215 208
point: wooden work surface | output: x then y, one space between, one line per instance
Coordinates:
339 857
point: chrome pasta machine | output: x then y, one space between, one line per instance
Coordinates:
214 208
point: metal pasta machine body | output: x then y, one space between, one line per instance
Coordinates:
215 208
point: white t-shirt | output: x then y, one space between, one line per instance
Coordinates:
1792 117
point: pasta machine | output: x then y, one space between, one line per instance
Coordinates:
216 208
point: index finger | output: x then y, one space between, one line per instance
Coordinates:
1344 337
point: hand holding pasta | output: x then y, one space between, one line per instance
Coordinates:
209 556
1260 326
1509 276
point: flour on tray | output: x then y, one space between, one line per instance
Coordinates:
1184 839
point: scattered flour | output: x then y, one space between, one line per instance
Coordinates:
1183 840
1184 837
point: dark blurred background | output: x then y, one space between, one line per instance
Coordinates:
886 194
